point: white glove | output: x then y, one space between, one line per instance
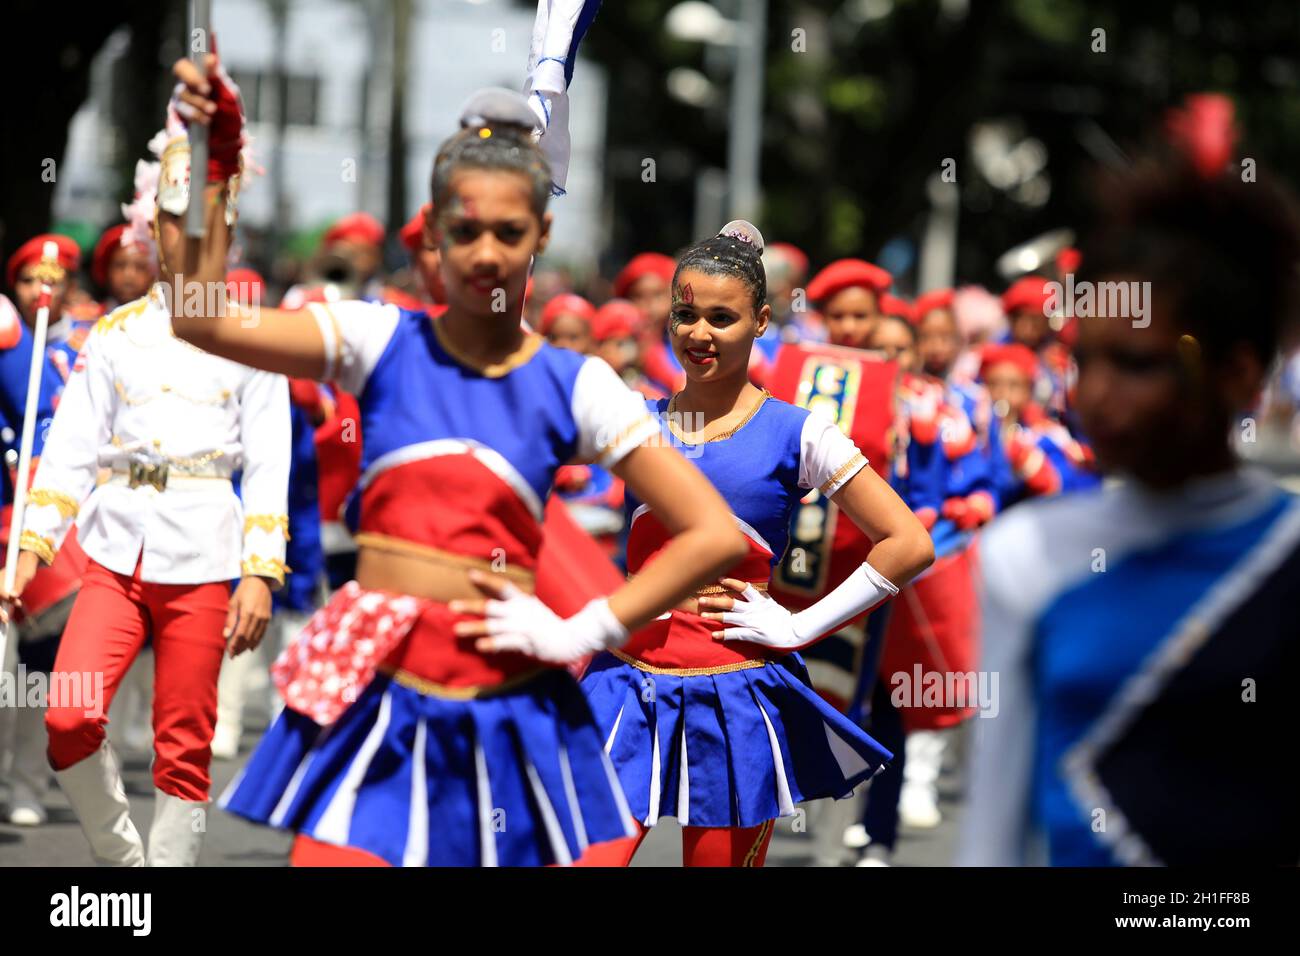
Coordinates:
520 622
757 618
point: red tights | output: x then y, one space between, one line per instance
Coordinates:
701 846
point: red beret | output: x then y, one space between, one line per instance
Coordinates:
848 274
252 282
412 234
31 250
357 227
1028 292
927 302
1012 353
108 243
616 319
645 264
566 303
894 306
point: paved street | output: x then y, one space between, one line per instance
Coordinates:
233 842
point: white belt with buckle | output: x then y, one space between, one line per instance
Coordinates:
164 476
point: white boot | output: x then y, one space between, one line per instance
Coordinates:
875 855
29 774
176 835
230 704
918 804
94 788
918 807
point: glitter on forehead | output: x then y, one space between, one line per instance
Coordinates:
728 256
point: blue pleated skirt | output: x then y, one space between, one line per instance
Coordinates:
729 749
519 778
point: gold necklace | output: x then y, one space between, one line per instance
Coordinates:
721 436
520 356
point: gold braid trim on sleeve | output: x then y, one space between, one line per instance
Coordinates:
622 437
269 523
67 505
840 472
261 567
39 545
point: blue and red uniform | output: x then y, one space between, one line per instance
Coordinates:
732 735
416 745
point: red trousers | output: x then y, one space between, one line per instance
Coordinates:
111 618
701 846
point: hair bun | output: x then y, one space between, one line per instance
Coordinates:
498 106
745 231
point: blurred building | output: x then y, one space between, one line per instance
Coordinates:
338 59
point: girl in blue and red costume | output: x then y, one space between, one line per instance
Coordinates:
49 597
971 496
1027 304
708 714
425 725
1039 457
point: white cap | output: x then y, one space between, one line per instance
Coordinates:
745 231
497 106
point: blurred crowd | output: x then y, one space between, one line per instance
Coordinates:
983 418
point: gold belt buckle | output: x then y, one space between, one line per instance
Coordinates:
141 474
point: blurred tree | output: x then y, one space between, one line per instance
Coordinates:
866 99
45 60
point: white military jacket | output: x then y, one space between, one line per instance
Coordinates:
163 425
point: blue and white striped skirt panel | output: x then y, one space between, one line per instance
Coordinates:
725 747
517 777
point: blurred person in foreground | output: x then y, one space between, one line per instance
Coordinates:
1143 634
